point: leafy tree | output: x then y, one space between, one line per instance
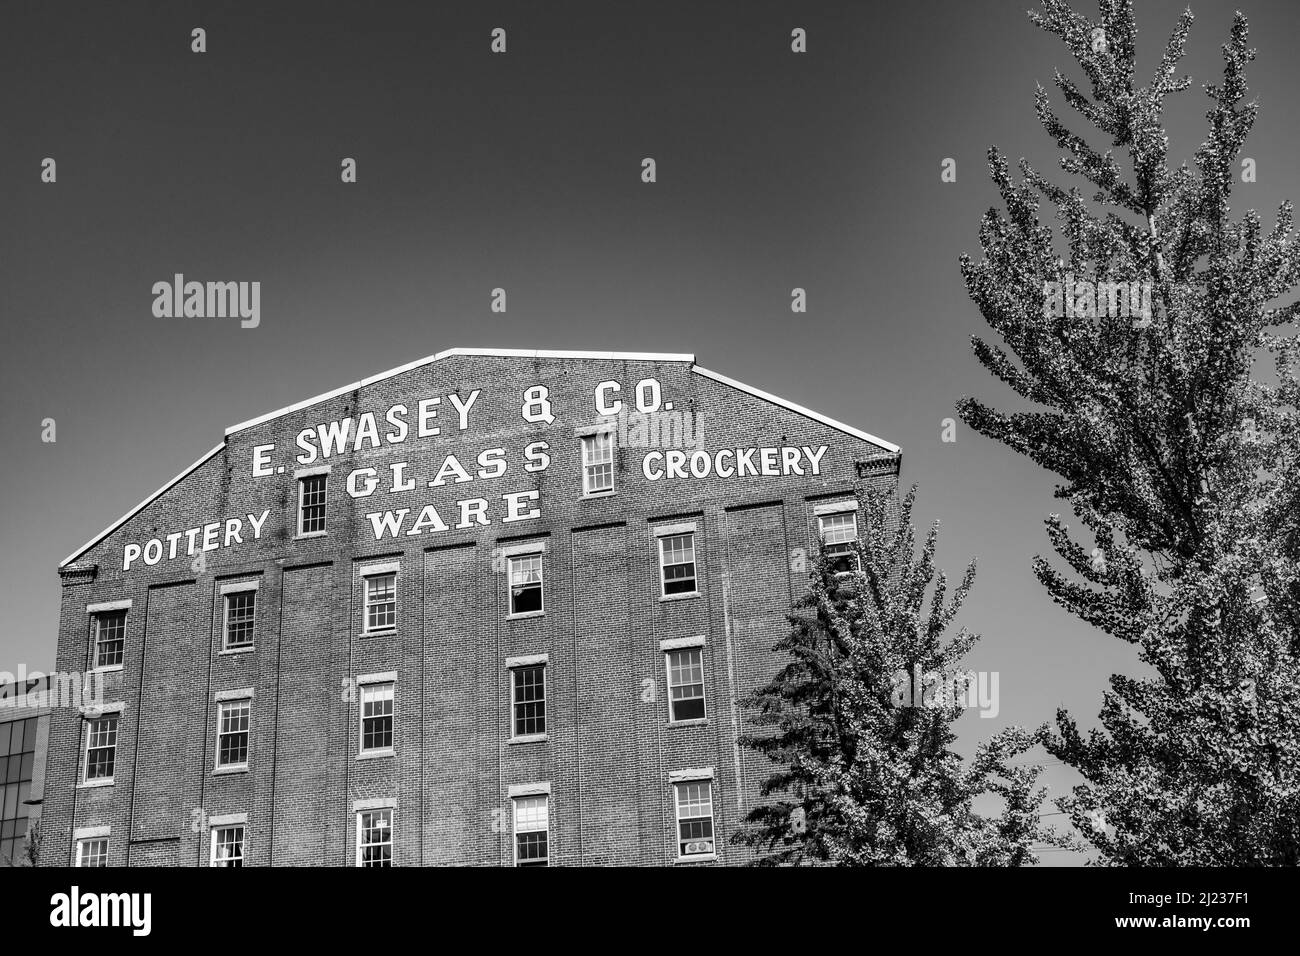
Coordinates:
1177 459
32 845
863 771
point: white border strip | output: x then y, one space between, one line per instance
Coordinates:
685 776
138 508
529 789
808 412
502 353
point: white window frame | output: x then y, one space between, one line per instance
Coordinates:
116 716
688 780
510 582
827 512
85 842
689 645
369 575
372 684
225 701
388 808
518 664
243 842
228 593
301 476
592 441
96 613
663 537
545 797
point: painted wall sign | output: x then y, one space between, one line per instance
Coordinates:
670 442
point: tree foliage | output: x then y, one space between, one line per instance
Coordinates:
860 777
1178 458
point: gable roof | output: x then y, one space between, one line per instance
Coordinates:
506 353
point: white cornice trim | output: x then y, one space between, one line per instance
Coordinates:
429 360
807 412
138 508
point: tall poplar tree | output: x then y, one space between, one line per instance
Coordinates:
1177 455
863 774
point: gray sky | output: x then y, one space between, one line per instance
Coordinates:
522 171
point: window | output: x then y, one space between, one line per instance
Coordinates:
110 636
381 602
598 463
376 717
677 563
526 584
529 699
311 503
233 718
101 747
686 684
375 838
17 758
240 613
227 846
531 827
92 852
694 819
839 533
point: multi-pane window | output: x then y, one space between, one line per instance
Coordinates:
376 717
381 602
101 747
686 684
529 699
228 846
233 719
311 503
677 563
839 534
375 838
526 584
92 852
110 636
17 759
598 463
531 828
695 818
241 610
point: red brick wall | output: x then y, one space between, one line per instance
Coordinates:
610 748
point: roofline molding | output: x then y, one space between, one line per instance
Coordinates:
504 353
806 412
140 507
447 353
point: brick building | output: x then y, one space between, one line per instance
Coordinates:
493 607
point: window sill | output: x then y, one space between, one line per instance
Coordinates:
229 651
685 595
376 754
93 784
689 722
106 669
701 858
309 534
529 739
233 768
588 495
525 615
381 632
